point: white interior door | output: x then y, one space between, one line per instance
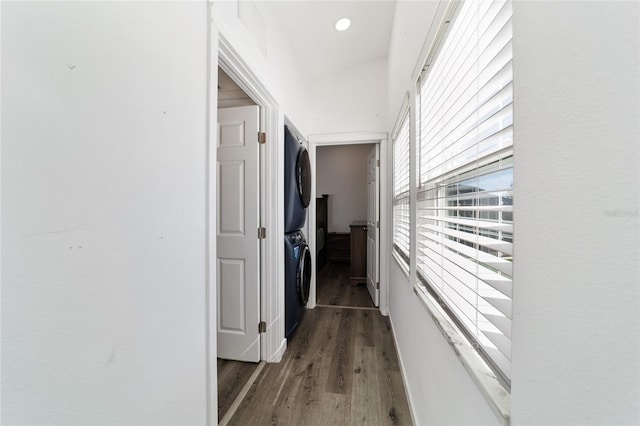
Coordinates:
238 280
373 230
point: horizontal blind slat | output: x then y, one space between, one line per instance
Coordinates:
496 226
475 273
489 263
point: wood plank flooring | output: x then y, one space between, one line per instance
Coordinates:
334 288
340 368
232 376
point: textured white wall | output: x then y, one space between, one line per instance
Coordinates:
103 227
576 328
342 173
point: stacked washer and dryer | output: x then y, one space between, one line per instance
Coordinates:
297 195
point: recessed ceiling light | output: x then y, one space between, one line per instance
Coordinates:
343 24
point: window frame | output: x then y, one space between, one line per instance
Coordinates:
403 122
422 286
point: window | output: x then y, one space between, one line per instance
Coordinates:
465 218
401 189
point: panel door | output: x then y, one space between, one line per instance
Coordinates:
238 280
373 232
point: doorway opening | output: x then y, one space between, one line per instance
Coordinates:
238 252
364 266
343 178
244 173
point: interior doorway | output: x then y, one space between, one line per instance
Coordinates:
238 249
377 143
239 88
343 179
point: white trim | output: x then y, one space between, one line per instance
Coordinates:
277 355
211 308
354 308
357 138
402 264
271 200
430 49
413 172
386 214
312 217
403 371
404 110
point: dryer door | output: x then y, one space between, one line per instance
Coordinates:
303 281
303 176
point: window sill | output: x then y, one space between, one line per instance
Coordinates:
402 264
494 392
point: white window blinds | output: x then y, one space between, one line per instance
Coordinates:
465 178
401 187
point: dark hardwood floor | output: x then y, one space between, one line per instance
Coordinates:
232 376
340 368
334 288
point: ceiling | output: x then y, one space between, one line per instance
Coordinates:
309 26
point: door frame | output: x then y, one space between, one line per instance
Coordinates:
272 341
357 138
377 233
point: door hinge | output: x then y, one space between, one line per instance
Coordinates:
378 163
378 224
262 327
262 233
262 138
377 285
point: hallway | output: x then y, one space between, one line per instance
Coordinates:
340 366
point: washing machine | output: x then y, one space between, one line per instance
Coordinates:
297 280
297 182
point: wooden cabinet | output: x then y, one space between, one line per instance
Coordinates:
338 247
358 251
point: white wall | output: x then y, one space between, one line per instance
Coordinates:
342 173
103 196
440 390
351 100
412 34
576 310
576 328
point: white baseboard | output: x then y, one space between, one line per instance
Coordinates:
277 356
404 374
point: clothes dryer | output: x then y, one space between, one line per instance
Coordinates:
297 279
297 182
